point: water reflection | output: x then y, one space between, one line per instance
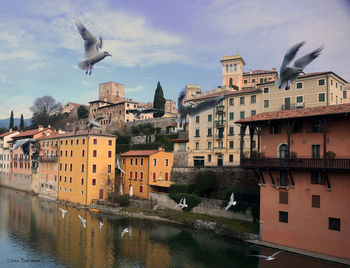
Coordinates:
33 229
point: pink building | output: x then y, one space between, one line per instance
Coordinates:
302 163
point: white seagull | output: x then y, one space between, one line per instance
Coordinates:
290 74
63 211
126 230
180 203
184 205
95 122
190 108
100 224
92 48
118 167
137 112
83 221
268 258
231 202
24 144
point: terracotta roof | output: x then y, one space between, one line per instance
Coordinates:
258 72
298 113
27 133
7 133
139 153
226 93
94 132
179 140
100 101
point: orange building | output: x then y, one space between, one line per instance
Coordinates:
303 167
86 167
146 170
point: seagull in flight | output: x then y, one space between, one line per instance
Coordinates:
118 167
63 211
290 74
126 230
24 144
92 48
139 111
83 221
231 202
94 123
100 222
268 258
180 203
190 108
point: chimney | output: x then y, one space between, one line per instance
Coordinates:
161 149
40 127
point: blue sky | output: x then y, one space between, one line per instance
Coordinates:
175 42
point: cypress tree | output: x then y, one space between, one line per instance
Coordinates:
159 100
21 123
11 121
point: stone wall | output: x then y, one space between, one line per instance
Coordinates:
180 159
17 181
142 139
161 122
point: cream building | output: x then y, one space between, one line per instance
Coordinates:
5 151
214 138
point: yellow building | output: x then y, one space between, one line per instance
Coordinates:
86 166
214 139
146 171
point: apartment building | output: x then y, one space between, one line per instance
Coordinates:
146 171
214 139
86 166
5 140
303 169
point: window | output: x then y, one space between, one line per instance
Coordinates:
299 85
141 175
298 127
283 197
241 115
209 145
70 179
231 144
136 161
321 82
83 153
331 82
231 116
241 100
253 99
315 201
94 168
336 85
210 132
131 161
334 224
65 167
261 80
197 133
93 182
210 118
61 153
230 158
82 181
141 161
71 142
82 192
94 153
231 67
253 112
82 167
226 68
266 90
141 189
245 81
166 162
266 103
197 119
317 178
109 167
283 178
130 175
110 142
154 162
66 142
83 141
166 176
316 151
154 176
71 167
197 145
66 153
60 178
110 156
60 166
77 141
95 141
283 216
344 94
230 132
136 175
235 66
300 99
209 158
231 101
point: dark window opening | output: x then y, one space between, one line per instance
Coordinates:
334 224
283 216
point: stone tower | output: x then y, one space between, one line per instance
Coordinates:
232 70
111 92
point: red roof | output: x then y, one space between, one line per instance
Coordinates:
255 72
77 133
27 133
139 153
298 113
7 133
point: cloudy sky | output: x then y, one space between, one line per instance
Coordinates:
175 42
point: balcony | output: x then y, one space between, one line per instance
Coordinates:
219 136
48 158
293 106
220 123
297 163
220 108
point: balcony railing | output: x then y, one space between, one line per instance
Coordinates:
297 163
220 108
293 106
220 123
48 158
219 136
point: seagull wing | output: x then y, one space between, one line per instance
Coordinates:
260 256
289 56
19 143
118 166
274 255
205 105
232 198
99 43
305 60
90 41
181 98
98 119
149 110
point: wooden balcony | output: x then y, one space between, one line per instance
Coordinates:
297 163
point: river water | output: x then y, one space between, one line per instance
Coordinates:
33 233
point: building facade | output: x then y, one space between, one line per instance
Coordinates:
145 171
5 140
303 169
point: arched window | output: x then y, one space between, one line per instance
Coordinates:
283 150
231 67
226 68
235 66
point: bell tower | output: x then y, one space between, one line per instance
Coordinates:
232 71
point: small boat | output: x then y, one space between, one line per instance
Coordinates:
94 210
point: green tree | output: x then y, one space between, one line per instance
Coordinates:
83 112
11 121
21 123
159 101
206 182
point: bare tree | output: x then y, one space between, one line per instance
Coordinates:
46 111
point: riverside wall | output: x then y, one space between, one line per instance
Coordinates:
17 181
